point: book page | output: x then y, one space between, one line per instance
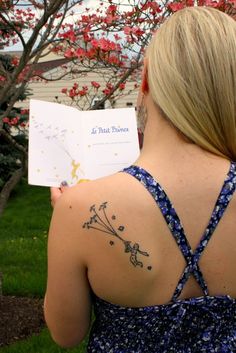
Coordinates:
66 144
110 141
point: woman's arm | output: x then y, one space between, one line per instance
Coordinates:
67 303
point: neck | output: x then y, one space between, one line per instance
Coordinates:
162 142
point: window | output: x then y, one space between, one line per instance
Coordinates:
101 106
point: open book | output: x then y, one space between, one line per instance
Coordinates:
66 144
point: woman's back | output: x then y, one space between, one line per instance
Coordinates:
137 304
193 192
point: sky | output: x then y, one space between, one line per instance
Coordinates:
79 8
92 4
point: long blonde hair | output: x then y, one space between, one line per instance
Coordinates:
192 77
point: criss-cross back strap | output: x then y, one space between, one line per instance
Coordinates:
176 227
221 204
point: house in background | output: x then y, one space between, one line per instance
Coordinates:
52 66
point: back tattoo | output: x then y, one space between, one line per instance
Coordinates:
100 221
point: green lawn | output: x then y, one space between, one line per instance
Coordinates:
40 344
23 242
23 238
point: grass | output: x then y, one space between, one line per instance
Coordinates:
23 264
23 238
23 257
40 344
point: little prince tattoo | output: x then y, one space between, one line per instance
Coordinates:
100 222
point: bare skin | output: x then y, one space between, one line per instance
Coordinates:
81 258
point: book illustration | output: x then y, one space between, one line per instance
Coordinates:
75 167
74 173
58 136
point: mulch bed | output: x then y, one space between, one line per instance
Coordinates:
19 318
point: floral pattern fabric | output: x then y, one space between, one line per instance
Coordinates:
205 324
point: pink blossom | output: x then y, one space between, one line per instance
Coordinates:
95 84
104 44
127 30
70 35
24 111
176 6
109 85
72 93
80 52
15 61
82 92
122 86
109 19
91 53
117 37
137 31
95 43
106 91
113 59
190 2
112 9
69 53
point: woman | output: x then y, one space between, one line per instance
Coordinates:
159 269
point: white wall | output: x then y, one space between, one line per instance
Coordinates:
51 90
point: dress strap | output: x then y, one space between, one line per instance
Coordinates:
176 228
221 204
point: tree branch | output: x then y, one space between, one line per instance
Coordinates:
13 142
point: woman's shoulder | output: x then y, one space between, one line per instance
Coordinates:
110 199
114 187
120 194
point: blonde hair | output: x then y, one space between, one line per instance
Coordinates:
192 77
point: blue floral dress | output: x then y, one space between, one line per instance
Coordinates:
196 325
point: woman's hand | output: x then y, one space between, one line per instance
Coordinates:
57 192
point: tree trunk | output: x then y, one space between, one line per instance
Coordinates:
8 187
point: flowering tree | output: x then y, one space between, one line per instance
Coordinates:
41 21
108 39
111 40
